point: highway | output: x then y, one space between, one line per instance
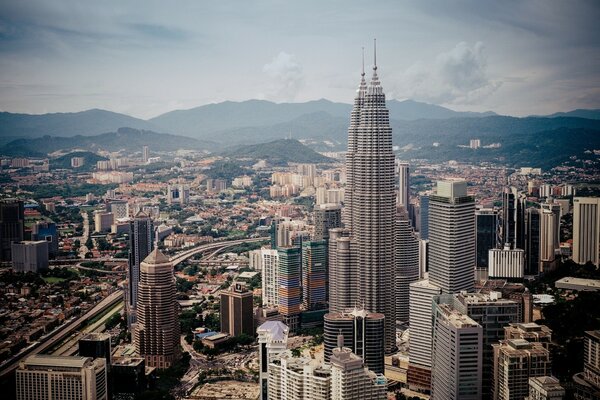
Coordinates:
61 333
218 246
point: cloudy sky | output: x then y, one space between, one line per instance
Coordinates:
144 58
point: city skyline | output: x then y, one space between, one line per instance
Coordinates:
522 59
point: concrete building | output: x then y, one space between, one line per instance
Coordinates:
46 230
343 271
314 275
327 216
351 379
267 261
156 332
272 341
362 332
586 230
515 361
456 365
30 256
506 263
531 332
45 377
289 290
77 162
103 221
407 265
145 154
119 209
141 243
12 225
96 345
579 284
178 194
130 377
403 173
298 378
545 388
549 236
236 311
587 383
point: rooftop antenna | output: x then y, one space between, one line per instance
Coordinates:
363 61
375 54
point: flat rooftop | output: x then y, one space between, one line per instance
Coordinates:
43 360
591 283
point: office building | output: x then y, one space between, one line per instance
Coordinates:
424 225
298 378
545 388
586 230
145 154
77 162
475 144
407 265
403 173
103 221
506 263
486 220
141 243
515 361
289 290
46 230
362 332
272 341
130 378
343 271
532 245
587 383
351 379
30 256
178 194
119 209
267 262
96 345
45 377
513 218
423 258
236 311
327 216
12 225
549 238
314 275
456 365
156 331
531 332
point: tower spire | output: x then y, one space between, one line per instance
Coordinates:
363 61
375 54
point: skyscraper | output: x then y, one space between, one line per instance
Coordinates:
407 265
424 226
145 154
586 230
12 225
96 345
236 311
141 243
327 216
156 332
373 205
513 217
342 271
532 246
549 238
314 275
403 171
487 236
289 286
272 341
269 267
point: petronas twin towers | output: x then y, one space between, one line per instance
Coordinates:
370 213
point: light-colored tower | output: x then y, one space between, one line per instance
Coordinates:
272 341
452 237
373 208
545 388
586 230
549 239
145 154
156 332
407 265
403 171
269 267
44 377
292 378
456 355
343 272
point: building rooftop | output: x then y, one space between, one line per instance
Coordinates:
456 318
277 330
156 257
590 283
127 361
43 360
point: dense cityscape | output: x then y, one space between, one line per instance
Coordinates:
318 250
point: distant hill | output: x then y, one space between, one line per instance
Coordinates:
64 162
278 152
411 110
579 113
90 122
123 139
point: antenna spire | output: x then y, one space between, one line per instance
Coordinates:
363 61
375 54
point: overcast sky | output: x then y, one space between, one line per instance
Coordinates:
144 58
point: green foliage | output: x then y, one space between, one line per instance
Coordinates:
212 322
183 285
113 321
64 162
67 190
188 321
227 170
279 152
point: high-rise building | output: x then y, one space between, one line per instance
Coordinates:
452 237
343 272
351 379
12 225
156 331
119 209
373 205
513 217
178 194
45 377
129 378
314 275
145 154
362 332
272 341
586 230
30 256
587 383
545 388
407 265
96 345
236 311
298 378
141 243
424 225
506 263
290 265
532 246
456 365
327 216
531 332
77 162
487 235
268 263
515 361
549 238
403 172
103 221
46 230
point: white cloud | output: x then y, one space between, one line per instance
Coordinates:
455 77
285 77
